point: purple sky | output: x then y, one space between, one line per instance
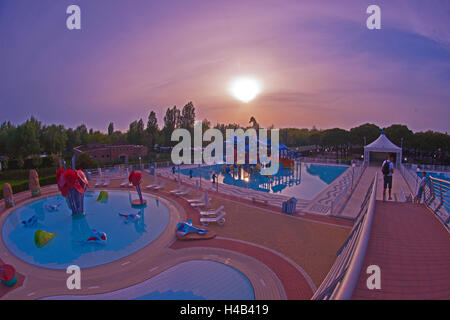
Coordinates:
317 61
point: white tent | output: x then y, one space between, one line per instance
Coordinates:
382 144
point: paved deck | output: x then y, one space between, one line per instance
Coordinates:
353 205
411 247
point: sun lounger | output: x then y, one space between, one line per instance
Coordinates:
124 183
160 186
150 186
196 200
106 183
220 219
211 212
98 183
199 204
183 193
256 200
177 190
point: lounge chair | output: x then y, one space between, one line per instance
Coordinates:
211 212
183 193
150 186
177 190
106 183
124 183
220 219
160 186
98 183
199 204
196 200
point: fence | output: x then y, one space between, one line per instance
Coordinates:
328 160
341 281
435 195
350 181
436 198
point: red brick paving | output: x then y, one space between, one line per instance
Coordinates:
294 283
411 247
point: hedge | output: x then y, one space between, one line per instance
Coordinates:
23 186
24 174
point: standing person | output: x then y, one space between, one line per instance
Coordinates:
214 178
387 168
173 170
421 188
190 173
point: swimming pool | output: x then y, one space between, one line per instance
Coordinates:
440 175
68 246
305 183
191 280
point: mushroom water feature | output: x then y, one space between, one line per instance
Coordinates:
135 178
72 184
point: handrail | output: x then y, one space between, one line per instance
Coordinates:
343 276
350 280
437 199
352 178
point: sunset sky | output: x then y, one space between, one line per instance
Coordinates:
316 61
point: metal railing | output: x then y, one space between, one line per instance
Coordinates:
350 181
436 194
327 160
437 199
341 281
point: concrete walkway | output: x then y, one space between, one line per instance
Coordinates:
354 203
411 247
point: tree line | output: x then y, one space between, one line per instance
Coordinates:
31 139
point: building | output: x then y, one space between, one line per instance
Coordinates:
112 153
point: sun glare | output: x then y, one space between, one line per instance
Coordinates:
245 89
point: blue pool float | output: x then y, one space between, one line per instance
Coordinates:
96 237
130 217
52 207
30 222
183 228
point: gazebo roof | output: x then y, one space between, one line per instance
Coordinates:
382 144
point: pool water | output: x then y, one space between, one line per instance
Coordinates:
304 183
68 246
191 280
440 175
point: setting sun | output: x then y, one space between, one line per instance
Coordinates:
245 89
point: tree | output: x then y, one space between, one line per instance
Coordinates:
85 162
397 132
187 118
110 129
368 130
152 129
171 122
27 138
206 124
54 139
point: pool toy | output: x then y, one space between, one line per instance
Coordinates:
103 196
34 185
42 238
8 196
72 184
8 275
131 217
96 237
52 207
185 230
135 178
31 222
